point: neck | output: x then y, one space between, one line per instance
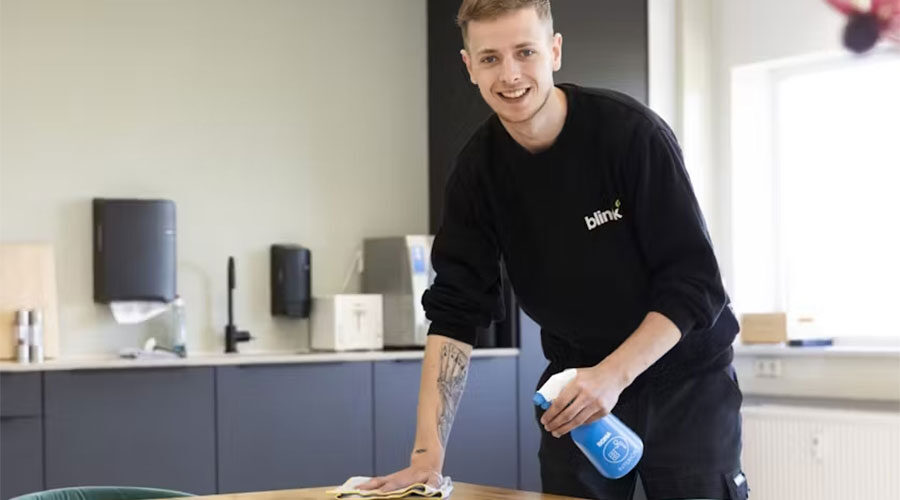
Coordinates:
541 130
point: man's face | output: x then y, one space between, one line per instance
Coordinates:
512 60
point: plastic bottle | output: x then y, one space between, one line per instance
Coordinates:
179 343
610 445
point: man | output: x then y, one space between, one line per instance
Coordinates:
583 194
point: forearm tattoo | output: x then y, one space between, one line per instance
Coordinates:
451 382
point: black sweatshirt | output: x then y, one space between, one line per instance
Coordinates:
596 232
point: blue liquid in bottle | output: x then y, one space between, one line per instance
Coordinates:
609 444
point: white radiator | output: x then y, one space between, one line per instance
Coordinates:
793 453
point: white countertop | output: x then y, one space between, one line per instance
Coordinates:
222 359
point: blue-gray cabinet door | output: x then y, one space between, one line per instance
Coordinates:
21 438
21 456
293 426
396 397
531 365
132 427
20 394
482 447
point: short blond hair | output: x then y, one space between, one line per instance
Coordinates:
481 10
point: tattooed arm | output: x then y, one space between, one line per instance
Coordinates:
448 363
444 373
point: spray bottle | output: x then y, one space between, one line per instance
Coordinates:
610 445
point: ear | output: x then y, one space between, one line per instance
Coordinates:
557 51
468 63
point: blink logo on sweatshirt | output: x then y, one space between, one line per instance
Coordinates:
601 217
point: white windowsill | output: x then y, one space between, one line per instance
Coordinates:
842 372
782 350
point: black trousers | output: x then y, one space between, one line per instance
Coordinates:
692 444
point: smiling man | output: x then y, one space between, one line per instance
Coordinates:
583 194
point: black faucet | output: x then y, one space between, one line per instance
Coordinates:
232 334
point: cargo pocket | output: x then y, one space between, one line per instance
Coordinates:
736 483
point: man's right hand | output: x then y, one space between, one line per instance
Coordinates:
403 478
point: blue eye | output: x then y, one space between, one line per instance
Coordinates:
488 59
527 52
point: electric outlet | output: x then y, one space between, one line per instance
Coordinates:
759 368
767 368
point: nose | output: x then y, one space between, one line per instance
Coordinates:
511 72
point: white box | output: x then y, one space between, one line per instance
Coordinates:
347 322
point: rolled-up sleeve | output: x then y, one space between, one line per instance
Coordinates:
685 282
465 256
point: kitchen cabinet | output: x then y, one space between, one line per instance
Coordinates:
22 450
20 394
396 389
248 427
293 426
483 441
531 364
131 427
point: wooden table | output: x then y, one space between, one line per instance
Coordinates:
461 491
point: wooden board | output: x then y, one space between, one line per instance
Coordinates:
763 328
27 281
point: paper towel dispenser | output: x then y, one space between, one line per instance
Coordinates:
134 250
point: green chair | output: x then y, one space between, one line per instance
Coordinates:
102 493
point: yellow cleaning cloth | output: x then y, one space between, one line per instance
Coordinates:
418 490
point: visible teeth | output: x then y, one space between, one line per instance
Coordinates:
514 93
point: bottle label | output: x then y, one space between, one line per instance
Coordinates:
616 450
604 439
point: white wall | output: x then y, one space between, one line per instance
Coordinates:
697 95
265 121
662 60
752 32
682 92
710 39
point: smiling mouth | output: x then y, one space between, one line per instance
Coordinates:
514 95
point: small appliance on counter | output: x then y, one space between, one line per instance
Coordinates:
347 322
399 268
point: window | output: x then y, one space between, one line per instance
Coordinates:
816 192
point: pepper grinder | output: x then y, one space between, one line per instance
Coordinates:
36 338
22 336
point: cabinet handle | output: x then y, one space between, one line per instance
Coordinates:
135 369
289 364
6 418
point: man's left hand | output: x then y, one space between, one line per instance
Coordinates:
590 396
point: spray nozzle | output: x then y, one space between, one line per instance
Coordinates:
552 387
